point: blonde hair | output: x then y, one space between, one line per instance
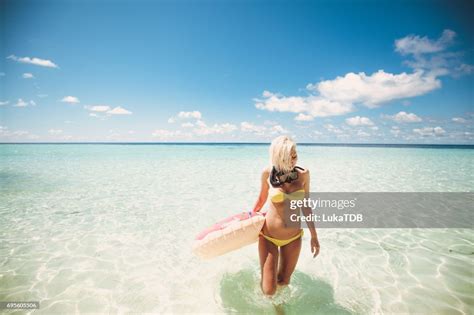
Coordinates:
280 153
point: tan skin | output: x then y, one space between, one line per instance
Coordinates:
278 263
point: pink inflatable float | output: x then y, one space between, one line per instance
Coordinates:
229 234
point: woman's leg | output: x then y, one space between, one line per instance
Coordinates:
289 255
268 253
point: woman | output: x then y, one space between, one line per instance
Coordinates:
279 246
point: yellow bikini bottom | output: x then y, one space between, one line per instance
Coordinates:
280 243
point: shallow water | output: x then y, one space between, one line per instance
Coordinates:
108 228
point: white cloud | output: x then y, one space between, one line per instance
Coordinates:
187 125
194 114
105 110
339 96
98 108
333 129
260 130
119 111
67 137
21 103
432 55
362 133
320 107
20 133
359 121
4 103
224 128
465 69
17 134
70 100
200 123
277 129
270 122
28 76
55 131
203 129
459 120
415 45
34 61
311 105
395 131
167 135
32 103
273 102
303 117
162 133
185 115
199 128
430 131
249 127
403 117
376 89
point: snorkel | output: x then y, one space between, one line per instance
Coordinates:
278 178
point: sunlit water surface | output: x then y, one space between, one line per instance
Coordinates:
109 228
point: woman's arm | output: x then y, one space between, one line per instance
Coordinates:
262 197
306 212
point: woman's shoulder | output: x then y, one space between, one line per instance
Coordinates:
303 171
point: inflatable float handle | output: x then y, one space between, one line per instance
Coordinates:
250 213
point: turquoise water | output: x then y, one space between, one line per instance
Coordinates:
109 228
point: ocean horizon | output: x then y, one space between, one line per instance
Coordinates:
381 145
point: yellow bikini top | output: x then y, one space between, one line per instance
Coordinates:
277 195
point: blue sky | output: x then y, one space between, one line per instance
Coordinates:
320 71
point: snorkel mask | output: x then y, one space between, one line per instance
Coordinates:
278 178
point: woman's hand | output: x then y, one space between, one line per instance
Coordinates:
314 246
